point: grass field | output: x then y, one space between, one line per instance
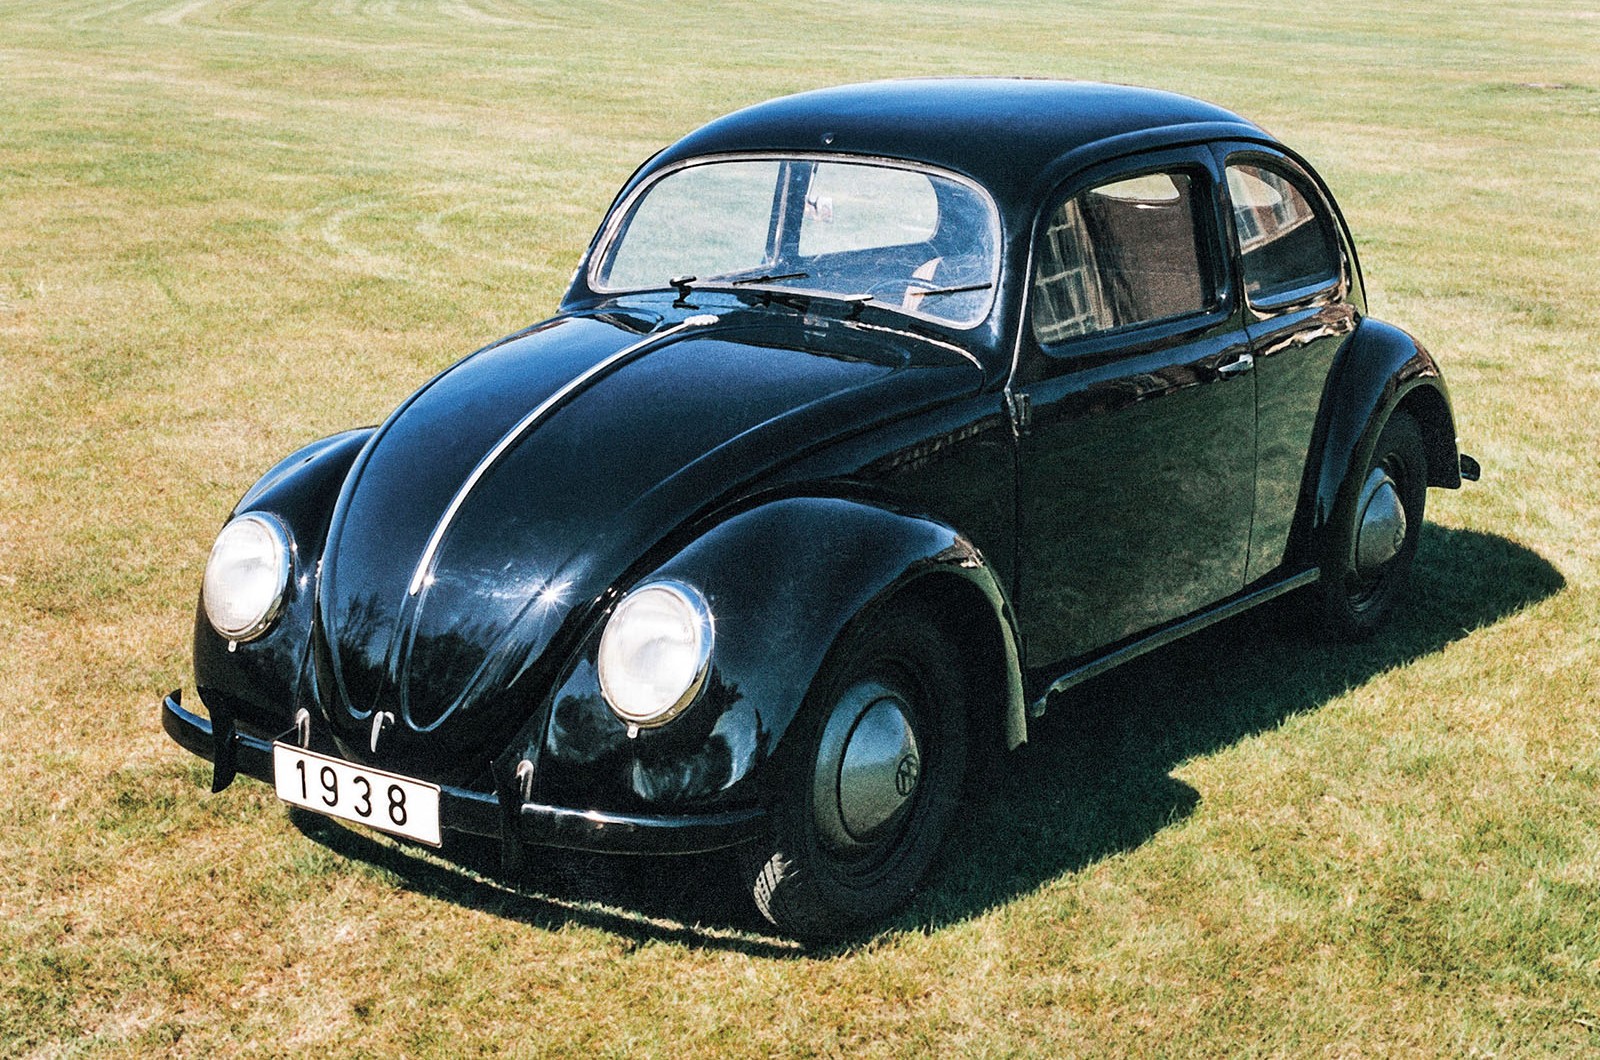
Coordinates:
229 227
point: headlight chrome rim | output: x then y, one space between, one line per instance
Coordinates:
621 691
262 616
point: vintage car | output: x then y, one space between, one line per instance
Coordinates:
873 417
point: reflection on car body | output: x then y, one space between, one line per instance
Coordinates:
872 417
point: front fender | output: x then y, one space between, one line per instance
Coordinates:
307 481
783 581
259 681
1380 370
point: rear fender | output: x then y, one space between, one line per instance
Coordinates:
784 581
1382 369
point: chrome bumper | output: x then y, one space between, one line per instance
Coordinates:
483 813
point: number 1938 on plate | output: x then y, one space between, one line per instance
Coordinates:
331 786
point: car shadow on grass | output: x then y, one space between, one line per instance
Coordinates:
1096 777
640 899
1094 780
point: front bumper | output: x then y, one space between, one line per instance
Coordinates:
486 813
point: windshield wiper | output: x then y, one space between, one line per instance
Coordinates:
952 290
802 299
749 280
684 284
763 289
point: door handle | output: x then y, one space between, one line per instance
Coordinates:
1245 362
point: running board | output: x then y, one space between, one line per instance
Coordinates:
1166 636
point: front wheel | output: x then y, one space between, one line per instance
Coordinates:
874 772
1373 538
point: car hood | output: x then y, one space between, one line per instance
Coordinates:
505 497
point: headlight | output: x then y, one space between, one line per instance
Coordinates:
654 652
246 576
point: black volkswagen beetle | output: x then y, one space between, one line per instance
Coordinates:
873 417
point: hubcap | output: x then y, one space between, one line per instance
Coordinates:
1381 531
868 767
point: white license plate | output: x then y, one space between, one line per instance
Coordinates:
332 786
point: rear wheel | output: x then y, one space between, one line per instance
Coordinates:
1373 538
874 774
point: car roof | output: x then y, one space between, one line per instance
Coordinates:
1002 132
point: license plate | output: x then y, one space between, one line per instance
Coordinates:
332 786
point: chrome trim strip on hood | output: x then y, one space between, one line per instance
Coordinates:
526 424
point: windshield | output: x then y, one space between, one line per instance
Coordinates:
910 239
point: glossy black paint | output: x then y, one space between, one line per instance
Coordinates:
263 683
805 468
540 540
784 579
1379 371
1295 343
1145 421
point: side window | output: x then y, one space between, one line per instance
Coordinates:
1118 254
1285 244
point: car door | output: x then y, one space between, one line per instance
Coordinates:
1297 281
1136 409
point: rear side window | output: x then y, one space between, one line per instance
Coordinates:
1120 254
1287 246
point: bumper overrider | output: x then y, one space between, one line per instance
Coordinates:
511 819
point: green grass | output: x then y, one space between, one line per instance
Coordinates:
229 227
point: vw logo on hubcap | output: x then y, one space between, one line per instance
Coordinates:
905 775
868 767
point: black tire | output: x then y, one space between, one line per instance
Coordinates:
1354 601
806 882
